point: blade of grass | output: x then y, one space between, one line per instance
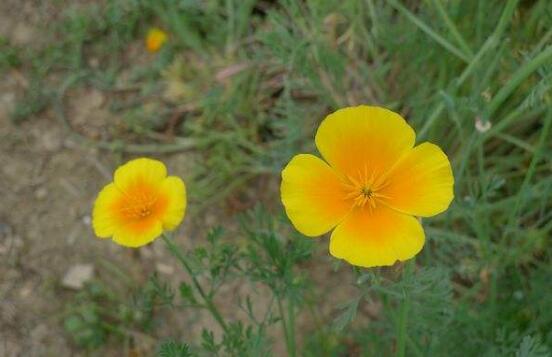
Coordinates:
453 29
491 42
429 31
518 77
538 153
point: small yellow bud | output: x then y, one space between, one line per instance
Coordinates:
155 39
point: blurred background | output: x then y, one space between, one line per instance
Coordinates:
238 88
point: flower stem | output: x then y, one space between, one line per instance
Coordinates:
284 325
404 309
207 299
291 327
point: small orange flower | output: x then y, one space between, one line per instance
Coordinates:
155 39
139 204
374 182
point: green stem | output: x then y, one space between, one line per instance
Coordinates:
291 327
208 300
284 325
403 312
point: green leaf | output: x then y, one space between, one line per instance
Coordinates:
532 347
187 293
348 314
174 349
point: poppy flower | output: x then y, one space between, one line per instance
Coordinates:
140 203
155 39
370 187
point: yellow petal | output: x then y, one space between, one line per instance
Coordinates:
376 237
139 172
174 189
421 184
138 233
363 140
104 221
313 195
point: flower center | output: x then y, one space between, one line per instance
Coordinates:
144 211
364 196
139 204
364 189
367 192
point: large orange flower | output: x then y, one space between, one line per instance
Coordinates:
373 183
139 204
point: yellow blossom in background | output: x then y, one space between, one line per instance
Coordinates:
155 39
140 203
370 187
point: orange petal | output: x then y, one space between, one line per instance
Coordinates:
421 184
364 140
376 237
313 195
138 233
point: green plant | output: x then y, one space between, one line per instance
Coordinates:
100 312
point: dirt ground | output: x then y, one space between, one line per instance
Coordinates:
47 185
